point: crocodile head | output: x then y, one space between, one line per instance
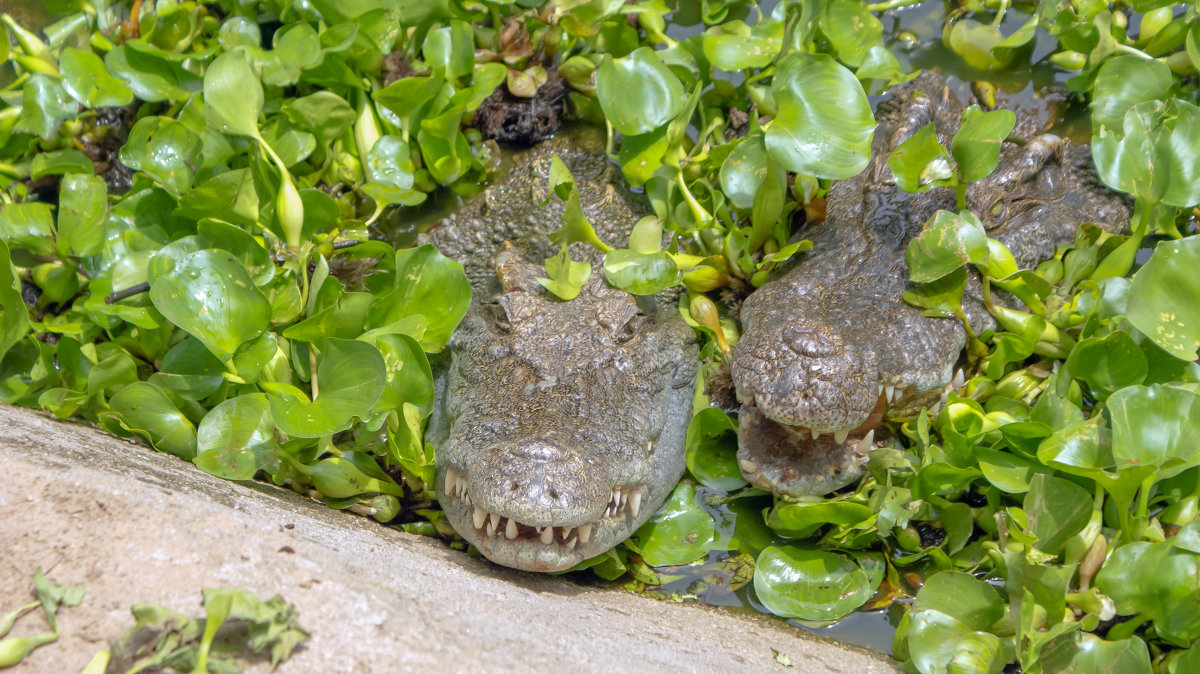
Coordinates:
830 349
559 425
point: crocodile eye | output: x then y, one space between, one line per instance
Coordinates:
499 317
997 209
631 328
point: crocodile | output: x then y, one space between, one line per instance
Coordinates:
559 426
830 350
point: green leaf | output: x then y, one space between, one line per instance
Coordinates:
429 284
147 411
228 196
60 162
711 448
297 48
809 584
566 277
1156 427
681 532
852 29
390 162
210 295
46 105
14 317
324 114
1164 298
152 79
86 79
976 144
1156 157
744 170
1055 510
233 96
637 92
409 377
27 225
83 206
1108 363
351 376
947 242
236 439
450 50
1121 83
977 44
165 150
640 273
824 125
1080 652
920 162
1159 581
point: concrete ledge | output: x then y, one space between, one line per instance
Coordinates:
136 526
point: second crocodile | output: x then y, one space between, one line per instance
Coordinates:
830 349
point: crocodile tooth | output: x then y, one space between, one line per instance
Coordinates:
867 441
493 520
635 503
451 483
816 435
567 532
571 543
616 498
748 466
585 533
548 535
479 517
889 393
959 380
510 531
840 436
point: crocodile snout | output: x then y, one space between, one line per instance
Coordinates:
812 340
540 482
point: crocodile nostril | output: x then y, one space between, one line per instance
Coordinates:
810 340
554 493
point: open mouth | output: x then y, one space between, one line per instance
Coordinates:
626 499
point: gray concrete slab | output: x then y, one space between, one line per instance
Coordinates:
136 526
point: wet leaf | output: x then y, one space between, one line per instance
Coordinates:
87 80
711 447
824 125
165 150
1108 363
1077 652
1159 581
681 532
210 295
809 584
408 376
46 104
151 78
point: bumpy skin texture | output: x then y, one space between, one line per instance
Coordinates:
831 347
567 415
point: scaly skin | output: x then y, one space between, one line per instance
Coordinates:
560 425
830 347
